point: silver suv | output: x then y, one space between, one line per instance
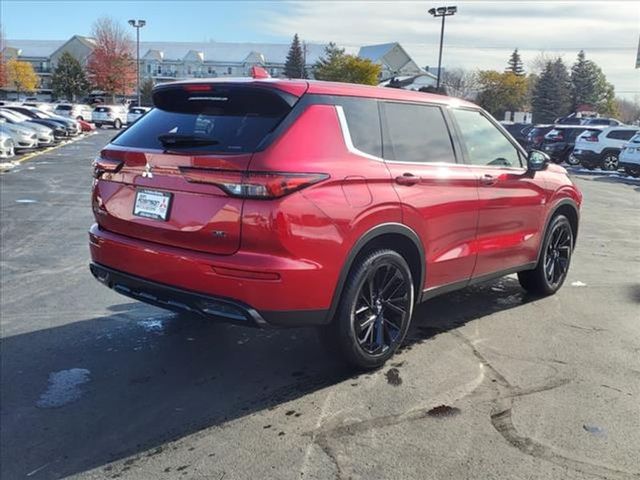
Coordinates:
601 148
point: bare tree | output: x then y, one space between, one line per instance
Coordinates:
461 83
539 63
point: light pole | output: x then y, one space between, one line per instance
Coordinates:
137 25
442 12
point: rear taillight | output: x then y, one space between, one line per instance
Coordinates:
593 137
105 165
260 185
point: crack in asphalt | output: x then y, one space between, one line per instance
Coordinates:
501 419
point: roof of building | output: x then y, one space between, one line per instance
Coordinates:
376 52
211 51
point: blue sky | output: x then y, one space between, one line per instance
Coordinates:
480 36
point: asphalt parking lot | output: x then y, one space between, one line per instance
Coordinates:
492 384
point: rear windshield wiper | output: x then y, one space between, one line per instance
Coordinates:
173 140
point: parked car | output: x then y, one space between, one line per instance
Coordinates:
23 137
7 148
229 199
71 126
558 143
44 133
535 137
630 156
44 106
519 131
601 121
113 115
73 110
58 128
86 126
135 113
602 149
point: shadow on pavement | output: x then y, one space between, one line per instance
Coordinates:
154 377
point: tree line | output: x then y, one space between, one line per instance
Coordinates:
111 67
552 90
549 91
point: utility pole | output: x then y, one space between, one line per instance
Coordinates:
442 12
137 25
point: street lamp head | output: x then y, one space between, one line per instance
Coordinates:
132 23
452 10
432 11
142 23
441 10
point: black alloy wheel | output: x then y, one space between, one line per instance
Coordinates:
557 255
380 310
374 312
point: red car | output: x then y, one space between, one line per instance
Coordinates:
296 203
86 126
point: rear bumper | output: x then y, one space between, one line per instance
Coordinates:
588 157
180 280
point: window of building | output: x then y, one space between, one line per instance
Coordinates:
416 133
486 145
229 71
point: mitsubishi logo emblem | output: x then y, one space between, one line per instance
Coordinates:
147 171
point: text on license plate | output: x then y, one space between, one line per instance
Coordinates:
152 204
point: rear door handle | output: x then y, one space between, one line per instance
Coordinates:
407 179
488 180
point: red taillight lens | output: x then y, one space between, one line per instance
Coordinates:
260 185
106 165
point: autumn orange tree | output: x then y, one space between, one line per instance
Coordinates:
21 77
111 66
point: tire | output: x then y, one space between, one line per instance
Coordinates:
79 117
555 259
374 312
98 125
610 162
572 160
117 124
632 171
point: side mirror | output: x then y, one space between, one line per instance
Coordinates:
537 161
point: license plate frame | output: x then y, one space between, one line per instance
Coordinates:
153 212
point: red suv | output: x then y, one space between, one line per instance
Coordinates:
295 203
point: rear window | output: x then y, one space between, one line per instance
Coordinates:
136 110
102 109
64 107
235 119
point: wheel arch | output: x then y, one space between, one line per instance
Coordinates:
568 208
394 236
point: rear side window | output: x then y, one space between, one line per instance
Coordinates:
229 119
363 120
486 145
416 133
64 107
621 134
102 109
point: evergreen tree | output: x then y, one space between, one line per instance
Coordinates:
68 79
146 90
294 66
514 65
329 66
552 93
590 86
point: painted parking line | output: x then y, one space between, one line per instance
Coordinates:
32 155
